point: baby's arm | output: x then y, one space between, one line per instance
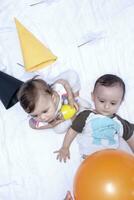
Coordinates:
63 152
130 142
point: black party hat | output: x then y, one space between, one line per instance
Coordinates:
8 89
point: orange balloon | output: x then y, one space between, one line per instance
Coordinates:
105 175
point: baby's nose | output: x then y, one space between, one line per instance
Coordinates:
43 117
107 105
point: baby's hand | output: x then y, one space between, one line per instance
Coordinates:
63 154
71 100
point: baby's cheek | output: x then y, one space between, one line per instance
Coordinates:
43 117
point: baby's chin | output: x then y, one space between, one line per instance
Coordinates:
106 114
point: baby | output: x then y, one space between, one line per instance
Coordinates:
43 101
101 127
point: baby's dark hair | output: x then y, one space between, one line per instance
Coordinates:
29 92
110 80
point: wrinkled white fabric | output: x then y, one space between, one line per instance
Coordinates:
90 36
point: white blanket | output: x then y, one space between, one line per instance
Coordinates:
90 36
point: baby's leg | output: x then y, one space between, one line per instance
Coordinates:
73 78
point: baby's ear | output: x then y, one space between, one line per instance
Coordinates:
53 97
92 96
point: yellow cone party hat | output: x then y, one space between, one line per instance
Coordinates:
35 54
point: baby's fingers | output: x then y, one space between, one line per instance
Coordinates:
59 157
62 157
71 100
68 156
76 106
57 151
65 158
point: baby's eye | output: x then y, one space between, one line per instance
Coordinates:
102 101
113 103
34 116
45 111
